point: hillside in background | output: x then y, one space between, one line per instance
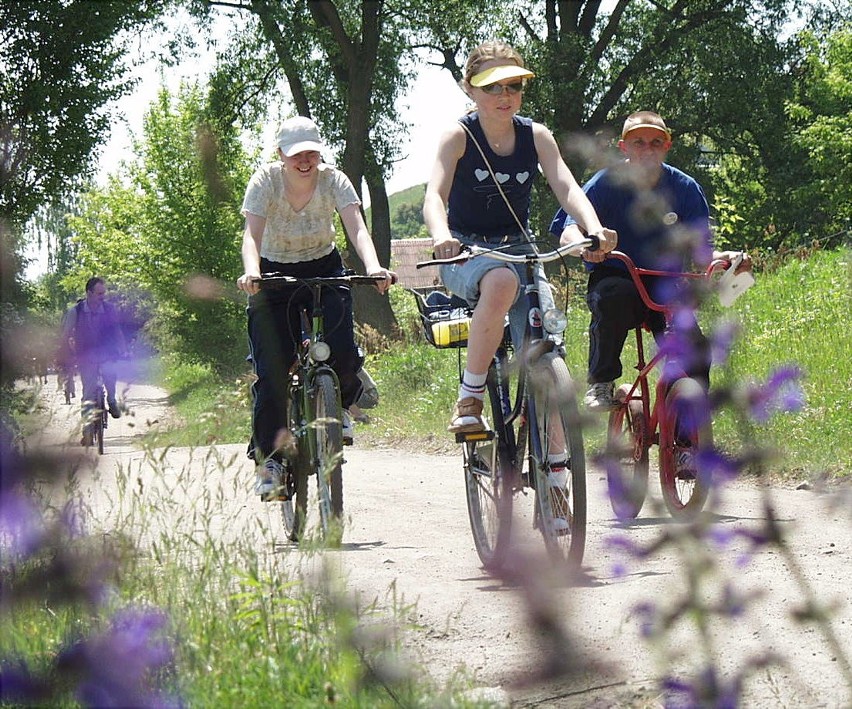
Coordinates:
405 212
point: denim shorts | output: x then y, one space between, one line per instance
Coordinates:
463 280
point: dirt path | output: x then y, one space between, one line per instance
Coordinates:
407 538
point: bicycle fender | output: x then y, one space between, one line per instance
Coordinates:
537 349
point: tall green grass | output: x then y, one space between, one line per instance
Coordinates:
799 314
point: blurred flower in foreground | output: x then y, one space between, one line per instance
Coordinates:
116 668
781 392
47 559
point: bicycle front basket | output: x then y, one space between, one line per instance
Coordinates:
445 319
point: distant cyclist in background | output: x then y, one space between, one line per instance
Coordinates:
92 332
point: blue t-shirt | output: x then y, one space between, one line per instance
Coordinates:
648 220
475 206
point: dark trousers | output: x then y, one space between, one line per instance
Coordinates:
616 309
274 328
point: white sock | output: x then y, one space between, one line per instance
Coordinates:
472 385
559 477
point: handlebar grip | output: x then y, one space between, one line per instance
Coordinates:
596 242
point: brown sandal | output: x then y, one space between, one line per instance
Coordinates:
467 408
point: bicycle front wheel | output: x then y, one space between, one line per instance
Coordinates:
627 442
688 431
98 423
327 431
558 461
488 486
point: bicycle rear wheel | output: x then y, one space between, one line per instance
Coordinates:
688 431
560 510
627 452
488 487
295 508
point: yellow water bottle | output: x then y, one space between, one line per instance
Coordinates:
449 332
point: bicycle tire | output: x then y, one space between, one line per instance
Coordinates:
489 489
327 432
688 431
555 399
294 510
98 422
628 444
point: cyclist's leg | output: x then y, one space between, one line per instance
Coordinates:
272 343
491 289
616 308
109 374
89 377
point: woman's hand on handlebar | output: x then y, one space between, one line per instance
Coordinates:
446 247
248 283
389 276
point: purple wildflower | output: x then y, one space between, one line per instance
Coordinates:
722 340
19 686
22 529
73 519
781 392
647 615
119 667
623 543
706 691
717 467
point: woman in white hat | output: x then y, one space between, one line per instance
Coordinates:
289 207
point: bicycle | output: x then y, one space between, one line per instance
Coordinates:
314 414
97 419
542 418
675 422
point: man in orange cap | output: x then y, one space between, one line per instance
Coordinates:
663 222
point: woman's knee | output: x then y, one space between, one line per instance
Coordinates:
498 286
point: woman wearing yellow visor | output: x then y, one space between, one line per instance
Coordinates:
479 193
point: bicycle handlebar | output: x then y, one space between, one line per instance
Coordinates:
575 248
636 274
278 280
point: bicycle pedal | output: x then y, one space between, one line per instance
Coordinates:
274 497
472 436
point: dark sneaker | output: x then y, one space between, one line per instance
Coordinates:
270 481
467 416
599 397
114 411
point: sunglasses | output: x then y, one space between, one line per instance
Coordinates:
496 89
